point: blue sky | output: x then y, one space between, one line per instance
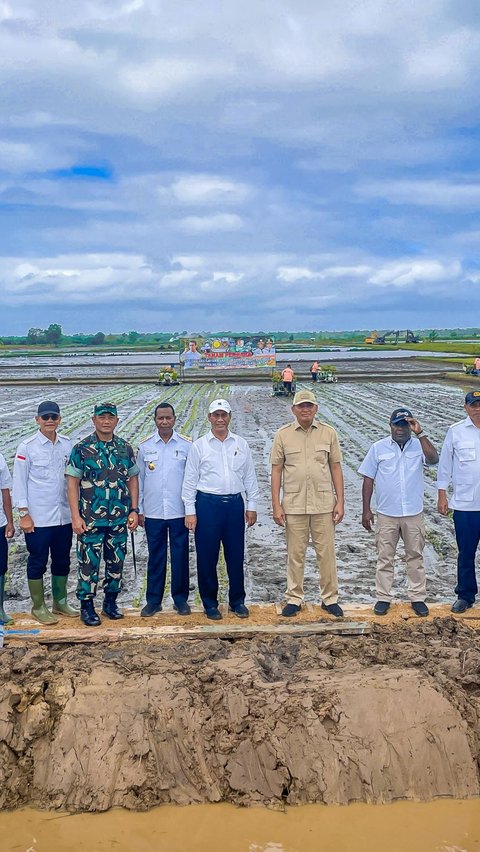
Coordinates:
294 164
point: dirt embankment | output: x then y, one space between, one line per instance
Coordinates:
331 719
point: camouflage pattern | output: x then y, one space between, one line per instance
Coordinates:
112 543
104 468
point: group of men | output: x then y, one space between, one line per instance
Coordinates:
98 490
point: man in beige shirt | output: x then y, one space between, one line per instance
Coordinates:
306 462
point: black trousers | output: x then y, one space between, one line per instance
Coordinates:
3 552
220 519
160 533
467 533
49 541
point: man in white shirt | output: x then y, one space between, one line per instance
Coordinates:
7 531
218 472
394 465
460 467
40 495
161 460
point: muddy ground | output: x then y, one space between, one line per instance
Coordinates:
330 719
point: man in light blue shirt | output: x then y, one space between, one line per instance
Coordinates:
161 460
394 465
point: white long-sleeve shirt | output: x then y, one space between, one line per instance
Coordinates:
5 482
220 467
160 479
459 466
39 483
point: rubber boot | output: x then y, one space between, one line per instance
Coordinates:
88 614
4 618
110 607
60 603
39 610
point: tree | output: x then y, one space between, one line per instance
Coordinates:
433 335
35 335
98 338
133 336
53 333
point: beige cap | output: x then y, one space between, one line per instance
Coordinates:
304 396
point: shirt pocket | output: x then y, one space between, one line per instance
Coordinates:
40 466
413 461
466 451
464 490
321 453
386 462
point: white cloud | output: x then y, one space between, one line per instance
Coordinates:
208 224
445 194
209 189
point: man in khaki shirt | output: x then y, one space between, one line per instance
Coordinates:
306 461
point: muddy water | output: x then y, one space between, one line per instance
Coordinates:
441 826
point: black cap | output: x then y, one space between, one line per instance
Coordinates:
472 396
400 415
48 408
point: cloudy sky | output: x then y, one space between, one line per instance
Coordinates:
289 164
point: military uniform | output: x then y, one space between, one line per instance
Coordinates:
308 502
103 468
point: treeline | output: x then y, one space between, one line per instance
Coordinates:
54 336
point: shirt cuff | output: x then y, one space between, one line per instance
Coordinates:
134 471
70 470
443 486
190 509
251 506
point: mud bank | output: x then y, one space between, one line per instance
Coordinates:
390 716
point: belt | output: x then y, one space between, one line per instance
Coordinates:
223 498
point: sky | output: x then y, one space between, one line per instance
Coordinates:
276 164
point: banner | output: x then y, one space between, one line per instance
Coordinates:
223 353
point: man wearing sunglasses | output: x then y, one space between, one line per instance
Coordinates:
40 495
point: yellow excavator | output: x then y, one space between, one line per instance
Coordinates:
392 337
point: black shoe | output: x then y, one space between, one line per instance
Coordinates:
240 611
333 609
110 608
182 608
150 609
88 614
381 607
213 613
461 605
289 610
420 608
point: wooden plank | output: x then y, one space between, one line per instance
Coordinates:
234 631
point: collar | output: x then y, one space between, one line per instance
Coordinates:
469 422
211 437
394 443
44 440
313 425
157 437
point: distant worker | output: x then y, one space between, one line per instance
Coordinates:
394 465
102 483
476 366
7 531
314 371
287 379
460 467
306 463
161 461
219 471
40 495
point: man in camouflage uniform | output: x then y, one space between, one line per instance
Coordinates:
102 484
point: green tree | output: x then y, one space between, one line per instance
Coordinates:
35 335
98 338
53 333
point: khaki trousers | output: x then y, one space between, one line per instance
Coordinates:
321 530
388 530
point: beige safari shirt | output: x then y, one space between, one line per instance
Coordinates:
305 456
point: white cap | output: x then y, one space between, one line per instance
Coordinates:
219 405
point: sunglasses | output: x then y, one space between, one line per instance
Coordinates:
49 417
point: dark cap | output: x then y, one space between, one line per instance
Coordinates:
48 407
399 415
105 408
472 396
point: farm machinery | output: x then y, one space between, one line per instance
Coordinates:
392 337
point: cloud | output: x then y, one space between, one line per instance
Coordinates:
214 223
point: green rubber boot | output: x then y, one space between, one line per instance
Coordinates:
4 617
39 610
60 602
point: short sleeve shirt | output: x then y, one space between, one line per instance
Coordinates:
305 456
104 468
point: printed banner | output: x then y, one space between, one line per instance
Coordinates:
223 353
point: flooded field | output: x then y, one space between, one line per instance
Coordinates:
358 412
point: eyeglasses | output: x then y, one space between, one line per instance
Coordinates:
49 417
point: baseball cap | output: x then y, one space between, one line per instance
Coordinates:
219 405
105 408
304 396
48 407
472 396
399 415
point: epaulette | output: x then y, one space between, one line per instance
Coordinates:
186 437
286 426
30 439
144 440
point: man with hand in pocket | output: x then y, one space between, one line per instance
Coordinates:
460 467
394 465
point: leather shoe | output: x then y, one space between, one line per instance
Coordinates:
88 614
241 611
381 607
149 610
214 613
461 605
289 610
110 608
420 608
182 608
333 609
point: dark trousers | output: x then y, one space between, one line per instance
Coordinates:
3 552
220 519
288 387
49 541
467 532
158 532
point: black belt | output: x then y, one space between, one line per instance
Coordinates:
224 498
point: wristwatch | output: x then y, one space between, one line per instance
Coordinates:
135 510
23 513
